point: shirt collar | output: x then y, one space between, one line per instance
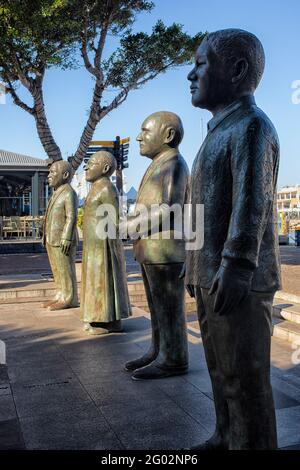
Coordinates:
247 100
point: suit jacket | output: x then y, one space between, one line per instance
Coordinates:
234 175
61 216
166 181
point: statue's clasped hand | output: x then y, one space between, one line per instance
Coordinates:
231 285
65 246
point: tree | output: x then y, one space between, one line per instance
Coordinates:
36 35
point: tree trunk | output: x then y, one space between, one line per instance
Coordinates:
88 132
43 128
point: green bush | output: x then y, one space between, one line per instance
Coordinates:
80 218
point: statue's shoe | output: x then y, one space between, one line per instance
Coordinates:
143 361
105 328
86 326
97 330
59 306
48 303
158 371
74 305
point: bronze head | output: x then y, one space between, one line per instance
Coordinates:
228 65
60 172
101 164
159 132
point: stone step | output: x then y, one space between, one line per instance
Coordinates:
286 310
287 330
47 289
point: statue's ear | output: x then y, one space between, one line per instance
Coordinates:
106 168
240 70
169 135
66 175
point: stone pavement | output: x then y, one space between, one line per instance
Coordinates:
67 390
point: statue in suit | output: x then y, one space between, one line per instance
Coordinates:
60 235
235 274
104 293
161 256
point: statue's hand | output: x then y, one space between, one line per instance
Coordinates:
65 246
231 285
189 287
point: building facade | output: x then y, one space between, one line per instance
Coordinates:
288 205
23 185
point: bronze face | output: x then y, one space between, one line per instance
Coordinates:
152 138
210 82
58 174
101 164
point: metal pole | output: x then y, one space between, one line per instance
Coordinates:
119 174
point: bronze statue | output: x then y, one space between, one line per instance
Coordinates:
235 274
165 183
60 236
104 293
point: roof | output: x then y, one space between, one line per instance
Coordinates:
18 160
288 189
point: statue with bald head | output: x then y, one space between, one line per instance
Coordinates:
60 235
165 184
104 294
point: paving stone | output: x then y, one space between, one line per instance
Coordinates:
201 380
294 447
10 435
282 400
161 438
74 430
27 374
3 374
288 426
7 408
59 396
199 406
127 392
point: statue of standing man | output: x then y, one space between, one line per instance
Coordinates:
236 273
161 254
60 235
104 293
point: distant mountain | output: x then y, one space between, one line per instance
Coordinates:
132 193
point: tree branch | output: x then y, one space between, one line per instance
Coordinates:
116 102
17 100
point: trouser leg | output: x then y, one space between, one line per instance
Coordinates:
241 342
221 434
55 270
167 294
151 354
66 275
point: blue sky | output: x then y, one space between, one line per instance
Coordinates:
67 94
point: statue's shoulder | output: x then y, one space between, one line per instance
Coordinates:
70 192
177 165
255 120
